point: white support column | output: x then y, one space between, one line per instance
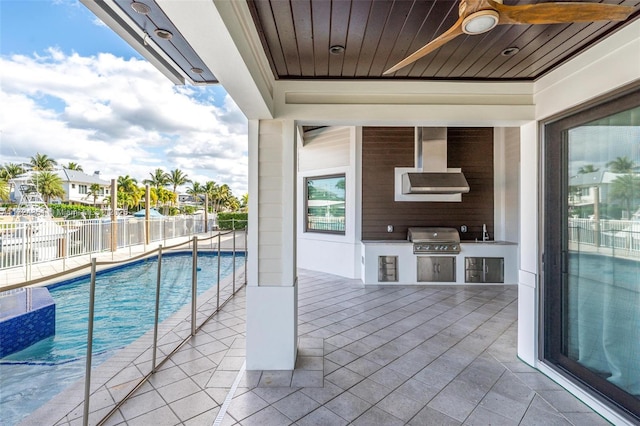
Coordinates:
528 273
272 293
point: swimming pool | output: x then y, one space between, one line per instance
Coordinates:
33 376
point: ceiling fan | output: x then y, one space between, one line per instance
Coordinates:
480 16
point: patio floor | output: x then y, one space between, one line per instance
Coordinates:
418 355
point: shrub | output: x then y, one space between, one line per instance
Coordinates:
234 220
72 211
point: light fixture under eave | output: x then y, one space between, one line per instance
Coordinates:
141 8
336 49
197 70
480 22
510 51
163 34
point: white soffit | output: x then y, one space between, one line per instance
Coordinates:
223 35
613 63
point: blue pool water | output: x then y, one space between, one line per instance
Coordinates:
124 311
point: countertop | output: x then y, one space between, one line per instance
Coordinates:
393 242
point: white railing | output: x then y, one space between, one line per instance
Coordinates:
29 242
621 235
325 223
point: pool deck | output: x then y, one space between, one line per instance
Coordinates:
367 355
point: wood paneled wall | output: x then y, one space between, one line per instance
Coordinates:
384 148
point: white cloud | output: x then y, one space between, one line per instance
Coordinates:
118 116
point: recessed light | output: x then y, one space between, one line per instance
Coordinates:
140 8
510 51
197 70
163 34
336 50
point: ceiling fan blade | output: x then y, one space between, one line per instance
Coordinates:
448 35
560 12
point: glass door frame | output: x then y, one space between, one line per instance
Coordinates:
554 243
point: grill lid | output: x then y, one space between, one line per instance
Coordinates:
433 235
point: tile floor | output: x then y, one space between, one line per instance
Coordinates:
417 355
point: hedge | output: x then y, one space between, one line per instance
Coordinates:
234 220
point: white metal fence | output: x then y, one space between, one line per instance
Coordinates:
30 242
325 223
611 234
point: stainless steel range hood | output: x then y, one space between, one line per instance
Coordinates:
431 174
434 183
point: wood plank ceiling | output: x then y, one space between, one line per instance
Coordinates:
297 36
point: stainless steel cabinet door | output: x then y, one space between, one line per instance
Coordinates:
436 268
493 270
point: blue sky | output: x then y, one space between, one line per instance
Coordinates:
74 90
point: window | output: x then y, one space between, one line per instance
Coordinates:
73 186
82 189
325 204
592 249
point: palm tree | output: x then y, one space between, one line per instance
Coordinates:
74 166
626 188
9 172
589 168
158 179
162 196
49 185
223 197
196 191
244 202
621 165
128 192
126 183
176 178
4 190
42 162
211 189
94 191
233 203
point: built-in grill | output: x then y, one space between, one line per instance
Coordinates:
434 240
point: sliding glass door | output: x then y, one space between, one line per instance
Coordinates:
591 317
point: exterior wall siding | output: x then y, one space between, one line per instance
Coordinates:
384 148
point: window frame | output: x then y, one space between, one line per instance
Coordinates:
554 214
306 204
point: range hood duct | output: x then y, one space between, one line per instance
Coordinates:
431 175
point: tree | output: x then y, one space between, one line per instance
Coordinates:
223 197
176 178
9 172
4 189
244 203
128 192
589 168
126 183
42 162
49 185
74 166
158 179
627 189
162 196
211 189
621 165
94 191
196 189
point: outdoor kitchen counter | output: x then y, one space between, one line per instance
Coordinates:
407 265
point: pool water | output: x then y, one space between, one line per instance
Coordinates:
124 311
